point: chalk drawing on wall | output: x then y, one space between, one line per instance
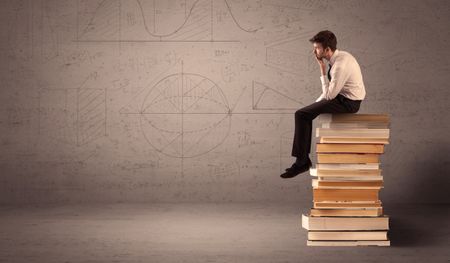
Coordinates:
290 55
32 34
148 21
183 115
75 116
301 5
267 98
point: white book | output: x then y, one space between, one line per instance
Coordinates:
345 223
347 235
352 117
354 125
354 243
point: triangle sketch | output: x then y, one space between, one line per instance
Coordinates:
266 98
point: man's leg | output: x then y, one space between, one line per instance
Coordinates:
303 127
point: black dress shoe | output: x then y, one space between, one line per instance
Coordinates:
295 170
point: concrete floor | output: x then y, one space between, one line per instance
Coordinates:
204 233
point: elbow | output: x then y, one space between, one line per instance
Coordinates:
329 97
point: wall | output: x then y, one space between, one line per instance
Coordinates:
182 100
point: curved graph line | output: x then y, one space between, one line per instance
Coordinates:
236 22
176 30
169 34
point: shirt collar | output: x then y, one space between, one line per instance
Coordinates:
333 57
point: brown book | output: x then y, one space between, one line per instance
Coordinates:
320 184
344 172
347 166
348 158
344 223
331 139
349 148
353 133
348 205
352 243
347 235
346 212
354 179
322 195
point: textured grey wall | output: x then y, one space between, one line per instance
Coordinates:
182 100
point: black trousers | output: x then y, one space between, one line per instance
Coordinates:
303 121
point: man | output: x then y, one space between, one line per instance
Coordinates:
342 92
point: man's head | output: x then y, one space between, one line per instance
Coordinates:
324 44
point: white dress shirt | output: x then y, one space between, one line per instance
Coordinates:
346 78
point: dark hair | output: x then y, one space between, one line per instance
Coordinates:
326 38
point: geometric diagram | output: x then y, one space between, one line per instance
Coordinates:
183 115
73 116
145 21
32 33
290 55
266 98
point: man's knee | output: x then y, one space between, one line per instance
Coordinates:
302 114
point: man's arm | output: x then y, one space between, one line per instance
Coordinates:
322 67
319 98
330 89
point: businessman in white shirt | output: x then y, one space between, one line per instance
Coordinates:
342 92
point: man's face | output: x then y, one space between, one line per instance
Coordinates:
318 50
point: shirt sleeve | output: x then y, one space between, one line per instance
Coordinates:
330 89
319 98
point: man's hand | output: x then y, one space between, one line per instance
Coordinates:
322 64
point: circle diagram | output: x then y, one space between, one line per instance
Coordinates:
185 115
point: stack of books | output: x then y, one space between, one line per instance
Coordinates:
347 180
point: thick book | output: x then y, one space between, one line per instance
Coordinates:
344 223
353 243
352 133
322 195
348 184
349 148
355 212
348 158
347 235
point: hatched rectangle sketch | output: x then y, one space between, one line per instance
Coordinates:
157 21
91 115
32 34
72 116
